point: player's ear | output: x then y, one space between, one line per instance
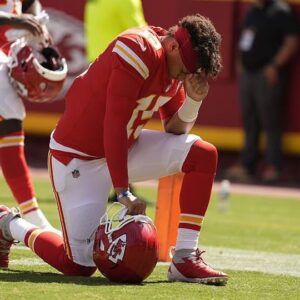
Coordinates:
171 44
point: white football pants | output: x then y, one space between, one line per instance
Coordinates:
82 187
11 105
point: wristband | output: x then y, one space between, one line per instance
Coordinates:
124 194
188 111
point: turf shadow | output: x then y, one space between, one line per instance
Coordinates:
48 277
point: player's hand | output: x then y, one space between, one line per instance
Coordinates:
271 74
196 86
27 22
47 37
134 205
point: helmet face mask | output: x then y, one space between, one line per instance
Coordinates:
127 253
36 72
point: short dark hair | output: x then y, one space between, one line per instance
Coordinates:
205 40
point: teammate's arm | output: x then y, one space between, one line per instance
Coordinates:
34 8
23 21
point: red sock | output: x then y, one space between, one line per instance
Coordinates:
50 247
14 166
199 168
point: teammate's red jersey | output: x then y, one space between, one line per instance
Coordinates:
109 104
9 6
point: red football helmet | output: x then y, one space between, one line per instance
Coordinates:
128 252
36 72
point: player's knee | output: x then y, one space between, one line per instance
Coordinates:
202 157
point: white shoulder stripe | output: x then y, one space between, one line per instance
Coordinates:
131 58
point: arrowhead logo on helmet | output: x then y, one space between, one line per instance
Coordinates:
36 72
128 252
117 248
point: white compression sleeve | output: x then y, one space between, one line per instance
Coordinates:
188 112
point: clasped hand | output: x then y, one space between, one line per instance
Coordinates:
196 86
134 205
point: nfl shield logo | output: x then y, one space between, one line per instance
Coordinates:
75 173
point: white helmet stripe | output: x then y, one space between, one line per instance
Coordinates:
51 75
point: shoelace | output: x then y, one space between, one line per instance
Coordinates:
198 256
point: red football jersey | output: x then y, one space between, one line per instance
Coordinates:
9 6
108 105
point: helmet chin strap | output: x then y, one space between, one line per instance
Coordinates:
120 216
122 213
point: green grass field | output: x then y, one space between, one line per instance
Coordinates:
257 241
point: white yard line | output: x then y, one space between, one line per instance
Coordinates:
265 262
247 260
248 189
226 259
259 190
